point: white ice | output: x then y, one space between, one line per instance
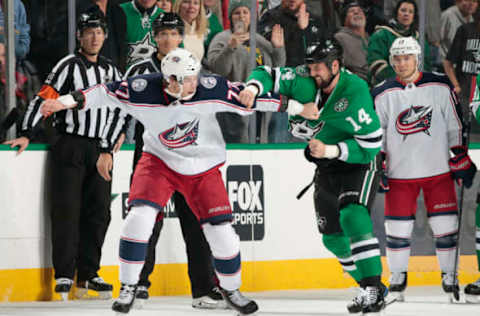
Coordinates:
419 301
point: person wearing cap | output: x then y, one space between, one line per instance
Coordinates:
229 56
80 201
354 39
343 142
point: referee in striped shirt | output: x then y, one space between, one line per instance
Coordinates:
80 200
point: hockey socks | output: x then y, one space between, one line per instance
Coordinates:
357 226
225 246
136 231
339 245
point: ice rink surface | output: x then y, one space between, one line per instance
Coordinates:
420 301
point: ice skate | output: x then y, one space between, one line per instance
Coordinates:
97 284
238 302
141 296
212 300
374 300
449 283
125 300
63 286
472 292
355 306
398 284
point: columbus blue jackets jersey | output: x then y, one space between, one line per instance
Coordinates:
183 134
421 121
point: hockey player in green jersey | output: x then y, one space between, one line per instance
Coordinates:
343 142
472 290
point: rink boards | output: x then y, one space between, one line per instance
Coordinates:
281 247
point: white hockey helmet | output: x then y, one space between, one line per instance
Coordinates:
180 63
405 46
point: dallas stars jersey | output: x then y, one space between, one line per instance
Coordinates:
347 118
475 102
139 36
421 122
185 135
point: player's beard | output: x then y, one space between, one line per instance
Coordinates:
325 82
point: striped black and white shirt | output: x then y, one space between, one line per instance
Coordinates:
75 72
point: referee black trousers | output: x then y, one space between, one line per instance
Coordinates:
80 212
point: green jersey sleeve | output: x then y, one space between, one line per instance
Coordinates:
287 81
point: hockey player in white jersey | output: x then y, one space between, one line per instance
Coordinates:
183 151
422 124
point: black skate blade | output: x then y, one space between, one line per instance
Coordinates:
456 293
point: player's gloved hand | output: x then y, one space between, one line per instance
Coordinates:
463 169
384 186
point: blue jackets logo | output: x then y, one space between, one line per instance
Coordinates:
245 192
415 119
181 135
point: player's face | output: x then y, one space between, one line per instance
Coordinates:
189 10
190 84
405 14
405 66
321 73
91 40
167 40
165 5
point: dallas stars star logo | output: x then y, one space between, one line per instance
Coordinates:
140 50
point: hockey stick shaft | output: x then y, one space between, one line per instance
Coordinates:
473 85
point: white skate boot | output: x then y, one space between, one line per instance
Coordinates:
472 292
398 284
125 300
238 302
63 286
355 306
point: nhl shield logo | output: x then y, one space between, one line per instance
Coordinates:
138 85
208 82
341 105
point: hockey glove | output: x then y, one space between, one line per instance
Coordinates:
462 168
384 187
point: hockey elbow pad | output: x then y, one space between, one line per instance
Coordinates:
462 168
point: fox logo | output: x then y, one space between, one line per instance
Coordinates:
415 119
180 135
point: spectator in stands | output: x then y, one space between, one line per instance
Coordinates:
22 28
299 27
229 56
193 15
462 62
214 22
138 16
354 39
165 5
403 25
452 19
326 10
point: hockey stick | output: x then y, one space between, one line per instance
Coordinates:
456 289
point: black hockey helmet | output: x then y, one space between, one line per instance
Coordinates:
92 18
168 20
324 50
